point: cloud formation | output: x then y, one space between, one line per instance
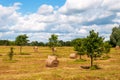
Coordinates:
74 19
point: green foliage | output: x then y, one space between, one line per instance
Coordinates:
36 43
107 47
21 40
115 36
4 42
79 46
11 53
94 45
65 43
53 40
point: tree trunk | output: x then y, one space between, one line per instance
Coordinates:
53 50
20 49
91 57
80 57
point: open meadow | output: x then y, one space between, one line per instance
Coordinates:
32 65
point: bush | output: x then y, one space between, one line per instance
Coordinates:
10 54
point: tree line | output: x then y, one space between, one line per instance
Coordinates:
33 43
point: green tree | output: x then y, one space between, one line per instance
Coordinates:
4 42
115 36
106 49
79 46
21 40
53 42
94 45
34 43
61 43
10 54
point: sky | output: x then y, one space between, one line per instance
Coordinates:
69 19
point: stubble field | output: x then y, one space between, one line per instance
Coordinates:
32 65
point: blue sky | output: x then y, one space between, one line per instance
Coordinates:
30 6
68 19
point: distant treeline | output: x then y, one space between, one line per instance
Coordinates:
34 43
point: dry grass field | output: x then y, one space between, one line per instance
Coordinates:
32 66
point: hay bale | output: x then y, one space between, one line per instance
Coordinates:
73 56
35 49
52 61
52 57
117 47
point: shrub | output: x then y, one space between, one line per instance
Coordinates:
10 54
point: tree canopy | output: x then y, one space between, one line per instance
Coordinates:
94 44
115 36
79 46
21 40
53 40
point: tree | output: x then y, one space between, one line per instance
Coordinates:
68 43
115 36
4 42
41 44
53 42
94 45
61 43
79 46
34 43
10 54
21 40
107 47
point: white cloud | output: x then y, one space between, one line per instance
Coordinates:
79 5
45 9
74 19
63 28
83 31
111 4
43 37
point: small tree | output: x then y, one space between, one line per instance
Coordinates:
79 46
107 47
21 40
53 42
10 54
94 45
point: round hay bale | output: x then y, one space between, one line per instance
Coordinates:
73 56
52 61
35 49
117 47
52 57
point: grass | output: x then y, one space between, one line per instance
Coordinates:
32 67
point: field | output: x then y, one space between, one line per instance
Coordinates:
32 65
